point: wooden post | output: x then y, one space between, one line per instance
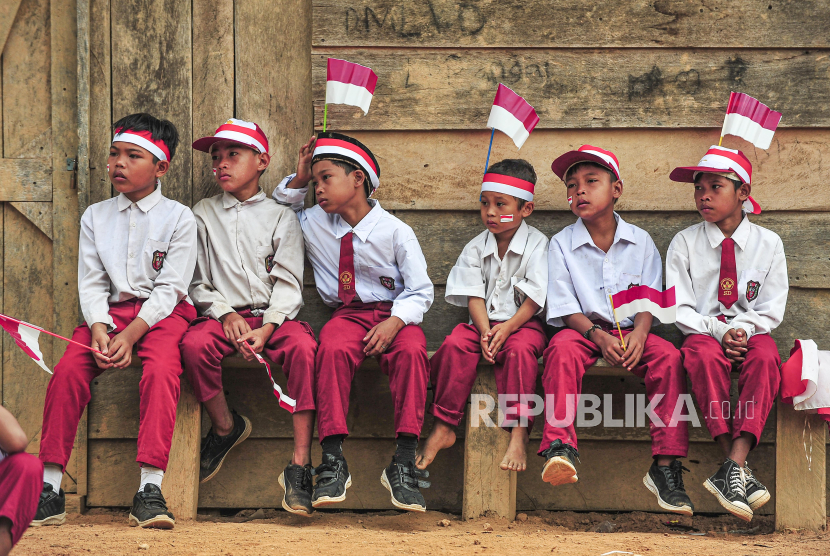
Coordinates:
800 470
487 488
181 481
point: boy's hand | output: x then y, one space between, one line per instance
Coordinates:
101 342
484 341
635 343
121 350
256 341
734 345
234 327
498 335
304 164
379 337
612 350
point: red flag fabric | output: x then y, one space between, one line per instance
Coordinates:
512 115
26 337
349 83
805 379
750 119
637 299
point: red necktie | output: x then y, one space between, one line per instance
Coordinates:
727 292
345 289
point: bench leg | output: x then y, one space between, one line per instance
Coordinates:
800 472
181 481
487 488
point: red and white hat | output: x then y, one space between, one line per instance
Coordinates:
143 139
238 131
336 146
508 185
720 160
586 153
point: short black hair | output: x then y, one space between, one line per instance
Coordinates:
515 168
736 183
349 168
160 130
572 170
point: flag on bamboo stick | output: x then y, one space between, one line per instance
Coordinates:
750 119
349 83
26 337
512 115
637 299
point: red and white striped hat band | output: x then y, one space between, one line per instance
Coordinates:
508 185
716 160
238 131
341 147
143 139
586 153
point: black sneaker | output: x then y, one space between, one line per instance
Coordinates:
728 485
215 448
333 479
666 482
559 469
403 481
756 494
296 481
51 508
150 509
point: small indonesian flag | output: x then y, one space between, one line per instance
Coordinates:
285 402
512 115
805 379
507 218
349 83
25 336
750 119
637 299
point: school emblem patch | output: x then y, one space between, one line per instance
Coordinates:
632 285
726 285
158 259
346 279
752 289
387 282
269 263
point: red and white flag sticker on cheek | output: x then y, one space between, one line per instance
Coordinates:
570 201
214 171
507 218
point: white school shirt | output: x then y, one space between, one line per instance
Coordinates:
504 284
388 262
250 255
693 268
582 276
127 250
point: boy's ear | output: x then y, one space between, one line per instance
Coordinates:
161 167
359 178
744 192
527 210
617 189
263 162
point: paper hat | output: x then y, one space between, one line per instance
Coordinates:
238 131
509 185
586 153
720 160
336 146
143 139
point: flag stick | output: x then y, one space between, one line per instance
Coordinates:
619 330
39 329
487 164
325 115
720 143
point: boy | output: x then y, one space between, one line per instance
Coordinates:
248 286
369 265
730 276
599 256
137 253
21 482
502 277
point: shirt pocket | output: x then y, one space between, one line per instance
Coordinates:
749 286
628 281
386 282
155 257
265 263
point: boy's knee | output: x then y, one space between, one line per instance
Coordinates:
28 466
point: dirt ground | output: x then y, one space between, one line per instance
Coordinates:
105 532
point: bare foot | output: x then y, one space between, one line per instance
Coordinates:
515 458
442 436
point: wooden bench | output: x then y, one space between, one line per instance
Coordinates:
800 484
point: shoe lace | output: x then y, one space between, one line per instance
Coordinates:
748 476
674 475
302 478
737 480
211 441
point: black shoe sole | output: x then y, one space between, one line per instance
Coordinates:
683 510
408 507
57 519
303 512
239 441
329 500
743 512
156 522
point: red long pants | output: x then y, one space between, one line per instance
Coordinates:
709 369
292 346
567 358
340 353
21 481
68 392
453 370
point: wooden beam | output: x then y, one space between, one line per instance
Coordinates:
181 485
100 101
25 179
579 88
570 23
8 11
39 214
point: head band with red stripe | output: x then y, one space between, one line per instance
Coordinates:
143 139
499 183
586 153
330 145
237 131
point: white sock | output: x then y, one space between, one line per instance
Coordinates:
53 475
150 476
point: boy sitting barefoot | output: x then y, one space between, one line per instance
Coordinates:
501 276
248 287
